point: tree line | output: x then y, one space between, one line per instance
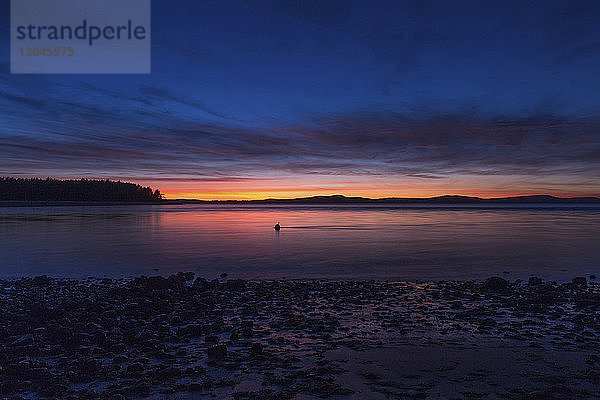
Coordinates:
49 189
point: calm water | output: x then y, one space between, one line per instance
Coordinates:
315 241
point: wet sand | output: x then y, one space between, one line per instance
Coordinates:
186 338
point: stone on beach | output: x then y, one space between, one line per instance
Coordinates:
534 280
217 352
496 284
117 339
579 281
256 348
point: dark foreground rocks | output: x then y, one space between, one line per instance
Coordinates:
180 337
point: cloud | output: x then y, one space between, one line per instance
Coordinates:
82 129
95 141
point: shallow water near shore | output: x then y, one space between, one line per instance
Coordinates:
325 242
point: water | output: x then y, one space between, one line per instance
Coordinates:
349 242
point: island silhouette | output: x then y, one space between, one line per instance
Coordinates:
49 189
24 190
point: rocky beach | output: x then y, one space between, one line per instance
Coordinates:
183 337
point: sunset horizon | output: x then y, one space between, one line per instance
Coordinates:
300 199
379 101
171 192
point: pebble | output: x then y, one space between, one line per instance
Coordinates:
140 337
217 352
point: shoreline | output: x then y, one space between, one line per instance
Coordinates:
180 337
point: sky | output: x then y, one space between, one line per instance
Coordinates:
275 98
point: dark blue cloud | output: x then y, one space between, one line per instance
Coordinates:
240 89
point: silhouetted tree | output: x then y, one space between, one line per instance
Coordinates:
36 189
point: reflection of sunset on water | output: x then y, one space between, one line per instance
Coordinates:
360 241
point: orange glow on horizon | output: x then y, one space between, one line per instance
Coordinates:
371 187
351 192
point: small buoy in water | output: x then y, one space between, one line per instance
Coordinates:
277 226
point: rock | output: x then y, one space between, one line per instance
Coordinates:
187 276
496 284
247 324
217 352
39 372
135 368
534 281
76 332
190 331
539 395
100 339
119 359
41 313
56 390
488 322
579 281
20 369
247 328
157 283
213 328
143 360
200 283
256 349
211 339
177 281
89 366
25 340
235 284
592 376
195 330
142 389
41 280
457 304
65 336
555 391
145 335
163 355
169 372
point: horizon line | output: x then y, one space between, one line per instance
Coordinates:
330 196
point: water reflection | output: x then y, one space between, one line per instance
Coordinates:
314 242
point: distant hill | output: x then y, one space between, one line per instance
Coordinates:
27 190
453 199
448 199
82 190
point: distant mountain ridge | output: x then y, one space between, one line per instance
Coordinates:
27 191
447 199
